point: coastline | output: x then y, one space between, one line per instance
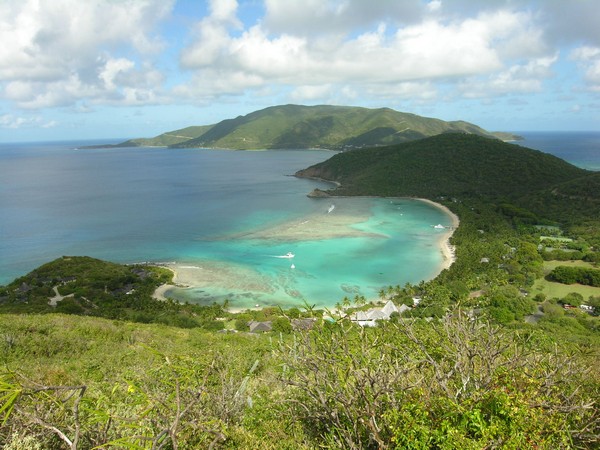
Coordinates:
447 249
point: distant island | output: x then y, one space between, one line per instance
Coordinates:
303 127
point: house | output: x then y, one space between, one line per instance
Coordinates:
257 327
370 317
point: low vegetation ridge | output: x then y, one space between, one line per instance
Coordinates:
461 166
325 126
501 350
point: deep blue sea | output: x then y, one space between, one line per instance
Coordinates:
581 148
225 216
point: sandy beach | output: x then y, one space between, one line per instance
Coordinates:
447 249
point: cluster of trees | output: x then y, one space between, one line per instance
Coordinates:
93 287
572 275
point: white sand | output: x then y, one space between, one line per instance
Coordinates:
447 249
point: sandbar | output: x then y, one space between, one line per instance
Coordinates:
212 274
339 223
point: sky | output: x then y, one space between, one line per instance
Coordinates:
117 69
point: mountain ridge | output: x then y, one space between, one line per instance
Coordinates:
321 126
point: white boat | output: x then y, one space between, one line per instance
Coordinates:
293 266
331 208
439 226
288 255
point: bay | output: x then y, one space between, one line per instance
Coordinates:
225 218
221 214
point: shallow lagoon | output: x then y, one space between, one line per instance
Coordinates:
358 248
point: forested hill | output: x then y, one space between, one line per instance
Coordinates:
456 165
325 126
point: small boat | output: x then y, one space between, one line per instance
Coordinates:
293 266
331 208
288 255
439 226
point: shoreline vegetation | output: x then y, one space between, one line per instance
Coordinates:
199 274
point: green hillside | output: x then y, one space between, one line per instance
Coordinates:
453 165
88 286
295 126
169 138
568 201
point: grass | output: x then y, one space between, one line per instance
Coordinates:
554 238
58 348
558 290
549 266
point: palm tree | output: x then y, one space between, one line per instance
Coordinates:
346 302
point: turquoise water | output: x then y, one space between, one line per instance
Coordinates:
400 245
197 207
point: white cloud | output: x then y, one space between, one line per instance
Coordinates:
384 54
104 52
309 93
588 59
315 17
61 50
15 122
517 79
434 5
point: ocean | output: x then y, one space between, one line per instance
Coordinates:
226 218
580 148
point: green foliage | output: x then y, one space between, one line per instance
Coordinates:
89 286
459 165
572 275
458 383
241 322
113 384
282 325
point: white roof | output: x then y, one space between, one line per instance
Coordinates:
389 308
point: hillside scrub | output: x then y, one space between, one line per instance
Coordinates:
455 383
458 383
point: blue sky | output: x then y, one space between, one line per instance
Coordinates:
102 69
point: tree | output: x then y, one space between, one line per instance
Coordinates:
282 325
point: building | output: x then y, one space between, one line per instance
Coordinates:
370 317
